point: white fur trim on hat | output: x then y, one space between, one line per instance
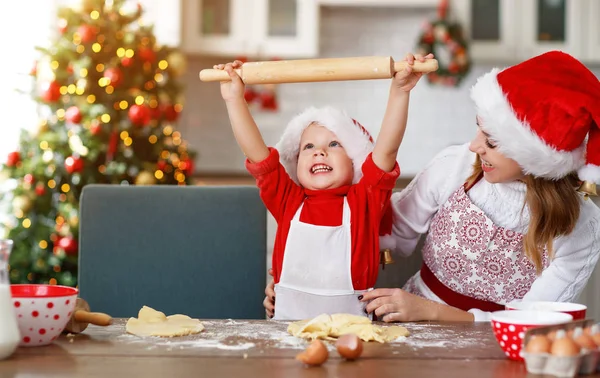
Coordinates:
515 139
590 173
355 142
387 242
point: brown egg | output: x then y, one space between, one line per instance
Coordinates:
538 344
596 338
349 346
551 335
315 354
585 341
564 346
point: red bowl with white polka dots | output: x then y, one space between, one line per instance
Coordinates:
510 325
42 311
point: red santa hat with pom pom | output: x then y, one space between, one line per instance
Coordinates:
544 113
355 139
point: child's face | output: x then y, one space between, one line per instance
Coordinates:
497 168
322 161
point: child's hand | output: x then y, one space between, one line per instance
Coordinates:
234 89
407 79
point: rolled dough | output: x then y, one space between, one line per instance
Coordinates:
330 327
154 323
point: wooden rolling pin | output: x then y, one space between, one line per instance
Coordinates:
82 317
313 70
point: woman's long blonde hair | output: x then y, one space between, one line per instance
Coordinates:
554 207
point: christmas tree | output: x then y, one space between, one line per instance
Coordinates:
108 102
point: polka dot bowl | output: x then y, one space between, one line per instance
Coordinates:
510 325
42 311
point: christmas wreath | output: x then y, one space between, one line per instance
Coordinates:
445 40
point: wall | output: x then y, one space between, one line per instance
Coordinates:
438 116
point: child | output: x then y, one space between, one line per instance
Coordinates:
327 186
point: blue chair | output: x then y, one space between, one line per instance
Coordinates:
199 251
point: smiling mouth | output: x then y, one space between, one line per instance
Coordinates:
320 168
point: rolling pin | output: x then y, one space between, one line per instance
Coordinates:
82 317
314 70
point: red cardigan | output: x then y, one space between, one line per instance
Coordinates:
368 200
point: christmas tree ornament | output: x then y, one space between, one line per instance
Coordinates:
145 178
74 164
170 113
139 115
95 127
147 54
40 189
13 159
73 115
69 245
126 61
446 41
115 76
62 25
87 33
50 91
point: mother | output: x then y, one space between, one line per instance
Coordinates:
502 215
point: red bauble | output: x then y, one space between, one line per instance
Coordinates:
126 61
187 166
115 76
73 115
51 91
155 113
147 54
95 128
139 115
40 189
28 178
87 33
268 101
249 94
73 164
62 26
162 165
13 158
170 113
69 245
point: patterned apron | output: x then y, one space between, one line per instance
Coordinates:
469 262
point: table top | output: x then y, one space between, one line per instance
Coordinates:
262 348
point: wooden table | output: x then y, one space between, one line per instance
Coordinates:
237 348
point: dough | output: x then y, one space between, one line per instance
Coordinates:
330 327
154 323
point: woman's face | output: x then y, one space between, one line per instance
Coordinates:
496 167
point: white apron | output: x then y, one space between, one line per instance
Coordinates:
316 276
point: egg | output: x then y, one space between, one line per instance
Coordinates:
585 341
596 338
551 335
564 346
315 354
349 346
538 344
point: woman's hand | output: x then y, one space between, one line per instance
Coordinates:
234 89
269 301
407 79
397 305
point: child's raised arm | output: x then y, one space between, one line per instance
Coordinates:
244 128
396 114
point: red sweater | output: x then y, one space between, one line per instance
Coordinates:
368 200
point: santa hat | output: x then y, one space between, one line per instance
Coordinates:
544 113
356 140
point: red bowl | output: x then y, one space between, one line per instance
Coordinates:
576 310
509 327
42 311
